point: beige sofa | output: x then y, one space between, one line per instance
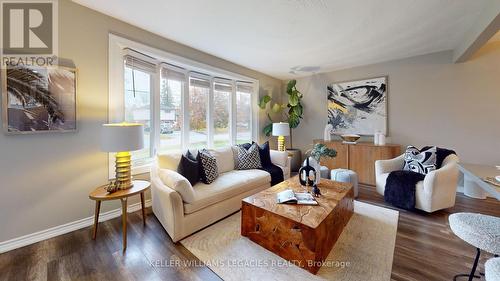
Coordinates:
183 209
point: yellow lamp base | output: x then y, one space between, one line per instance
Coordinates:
281 143
123 170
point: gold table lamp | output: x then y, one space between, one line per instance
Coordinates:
122 138
281 130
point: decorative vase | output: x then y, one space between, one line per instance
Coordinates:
307 174
317 167
381 139
328 132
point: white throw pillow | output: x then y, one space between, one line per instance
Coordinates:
169 160
225 159
279 158
178 183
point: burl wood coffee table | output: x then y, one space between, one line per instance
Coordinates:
301 234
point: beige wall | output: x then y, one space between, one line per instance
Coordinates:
45 179
430 101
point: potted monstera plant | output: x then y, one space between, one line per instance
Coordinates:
291 112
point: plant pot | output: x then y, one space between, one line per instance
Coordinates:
296 162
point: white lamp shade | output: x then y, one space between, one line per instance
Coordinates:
121 137
281 129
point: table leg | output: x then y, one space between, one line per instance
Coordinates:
96 218
143 206
124 222
472 189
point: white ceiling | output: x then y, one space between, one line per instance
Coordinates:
278 36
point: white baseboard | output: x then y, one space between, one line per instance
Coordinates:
32 238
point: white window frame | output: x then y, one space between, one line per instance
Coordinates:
117 45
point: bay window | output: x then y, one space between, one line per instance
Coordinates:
181 103
243 112
199 94
223 90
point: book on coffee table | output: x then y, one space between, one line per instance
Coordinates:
290 197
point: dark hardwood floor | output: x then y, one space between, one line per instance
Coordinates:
426 249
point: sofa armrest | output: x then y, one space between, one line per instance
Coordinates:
178 183
167 206
282 160
389 165
445 178
279 158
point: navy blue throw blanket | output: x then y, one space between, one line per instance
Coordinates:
265 159
275 172
400 185
400 188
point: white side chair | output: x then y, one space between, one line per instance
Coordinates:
438 189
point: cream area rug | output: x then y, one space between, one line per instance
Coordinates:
364 250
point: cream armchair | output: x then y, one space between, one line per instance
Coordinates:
438 189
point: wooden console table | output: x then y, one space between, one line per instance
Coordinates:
359 157
100 194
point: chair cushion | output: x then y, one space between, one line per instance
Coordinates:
481 231
227 185
178 183
225 159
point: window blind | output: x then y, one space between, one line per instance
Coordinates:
171 74
244 87
223 87
139 64
198 82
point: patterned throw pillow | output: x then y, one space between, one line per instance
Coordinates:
248 159
418 161
208 166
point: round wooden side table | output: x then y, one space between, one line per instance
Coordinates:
100 194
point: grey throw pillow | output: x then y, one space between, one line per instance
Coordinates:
248 159
418 161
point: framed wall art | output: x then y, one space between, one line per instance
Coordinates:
38 99
358 107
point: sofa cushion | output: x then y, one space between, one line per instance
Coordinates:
178 183
225 158
169 160
227 185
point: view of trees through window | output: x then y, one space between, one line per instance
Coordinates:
170 114
222 107
208 105
199 91
138 105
